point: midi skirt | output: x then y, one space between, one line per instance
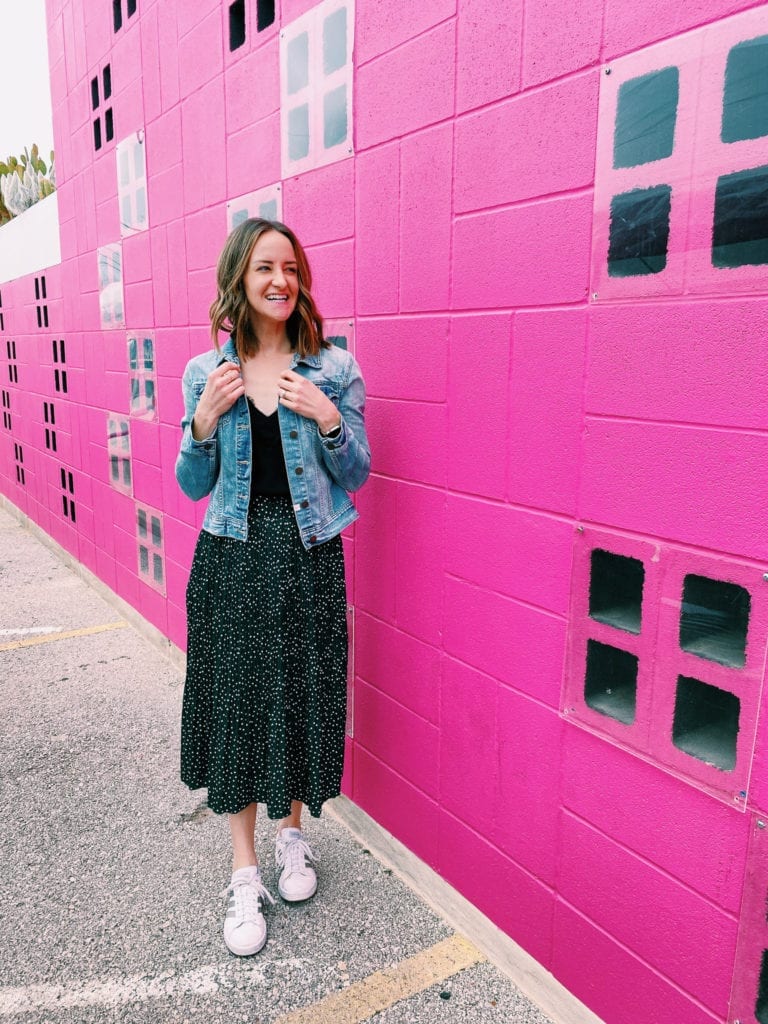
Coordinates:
264 708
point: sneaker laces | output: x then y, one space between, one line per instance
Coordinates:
293 854
248 895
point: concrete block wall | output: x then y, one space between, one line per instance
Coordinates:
526 410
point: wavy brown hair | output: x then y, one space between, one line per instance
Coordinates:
231 312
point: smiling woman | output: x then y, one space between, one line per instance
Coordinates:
274 432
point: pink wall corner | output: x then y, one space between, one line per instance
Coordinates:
546 418
518 645
418 81
607 883
377 230
488 52
515 901
558 124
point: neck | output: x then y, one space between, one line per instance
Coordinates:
272 337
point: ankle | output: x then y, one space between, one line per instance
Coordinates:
244 862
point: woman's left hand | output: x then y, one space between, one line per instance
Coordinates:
297 393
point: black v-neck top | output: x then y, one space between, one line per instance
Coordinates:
268 473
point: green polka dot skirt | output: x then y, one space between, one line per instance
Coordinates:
264 708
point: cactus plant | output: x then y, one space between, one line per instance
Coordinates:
24 182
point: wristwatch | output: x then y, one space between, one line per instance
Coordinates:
333 433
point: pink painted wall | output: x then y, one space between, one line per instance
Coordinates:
526 408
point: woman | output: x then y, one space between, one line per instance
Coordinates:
273 430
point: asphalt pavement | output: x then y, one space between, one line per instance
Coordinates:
111 870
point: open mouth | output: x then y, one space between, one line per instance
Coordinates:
277 298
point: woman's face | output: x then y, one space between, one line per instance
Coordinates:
271 281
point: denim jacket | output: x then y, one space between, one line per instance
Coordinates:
320 471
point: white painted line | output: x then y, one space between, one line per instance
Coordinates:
31 630
118 991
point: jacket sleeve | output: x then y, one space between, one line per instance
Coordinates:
197 464
348 456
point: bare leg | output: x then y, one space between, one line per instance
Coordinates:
294 818
242 827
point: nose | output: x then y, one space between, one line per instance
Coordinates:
278 277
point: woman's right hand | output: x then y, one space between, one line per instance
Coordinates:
222 389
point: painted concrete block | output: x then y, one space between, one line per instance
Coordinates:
706 366
166 195
601 973
169 66
516 644
560 39
150 65
478 392
418 81
515 901
333 277
551 234
425 219
164 147
393 734
378 31
325 221
177 244
244 103
404 358
397 805
419 561
651 914
376 539
628 28
558 124
253 156
205 182
690 837
469 763
696 485
203 231
518 553
398 665
377 228
546 424
137 258
410 439
201 54
488 52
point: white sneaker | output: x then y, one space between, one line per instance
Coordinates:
298 880
245 930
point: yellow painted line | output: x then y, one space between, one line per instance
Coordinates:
48 638
383 989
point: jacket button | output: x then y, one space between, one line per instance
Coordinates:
305 504
313 539
298 471
293 435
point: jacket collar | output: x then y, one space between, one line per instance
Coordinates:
229 355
